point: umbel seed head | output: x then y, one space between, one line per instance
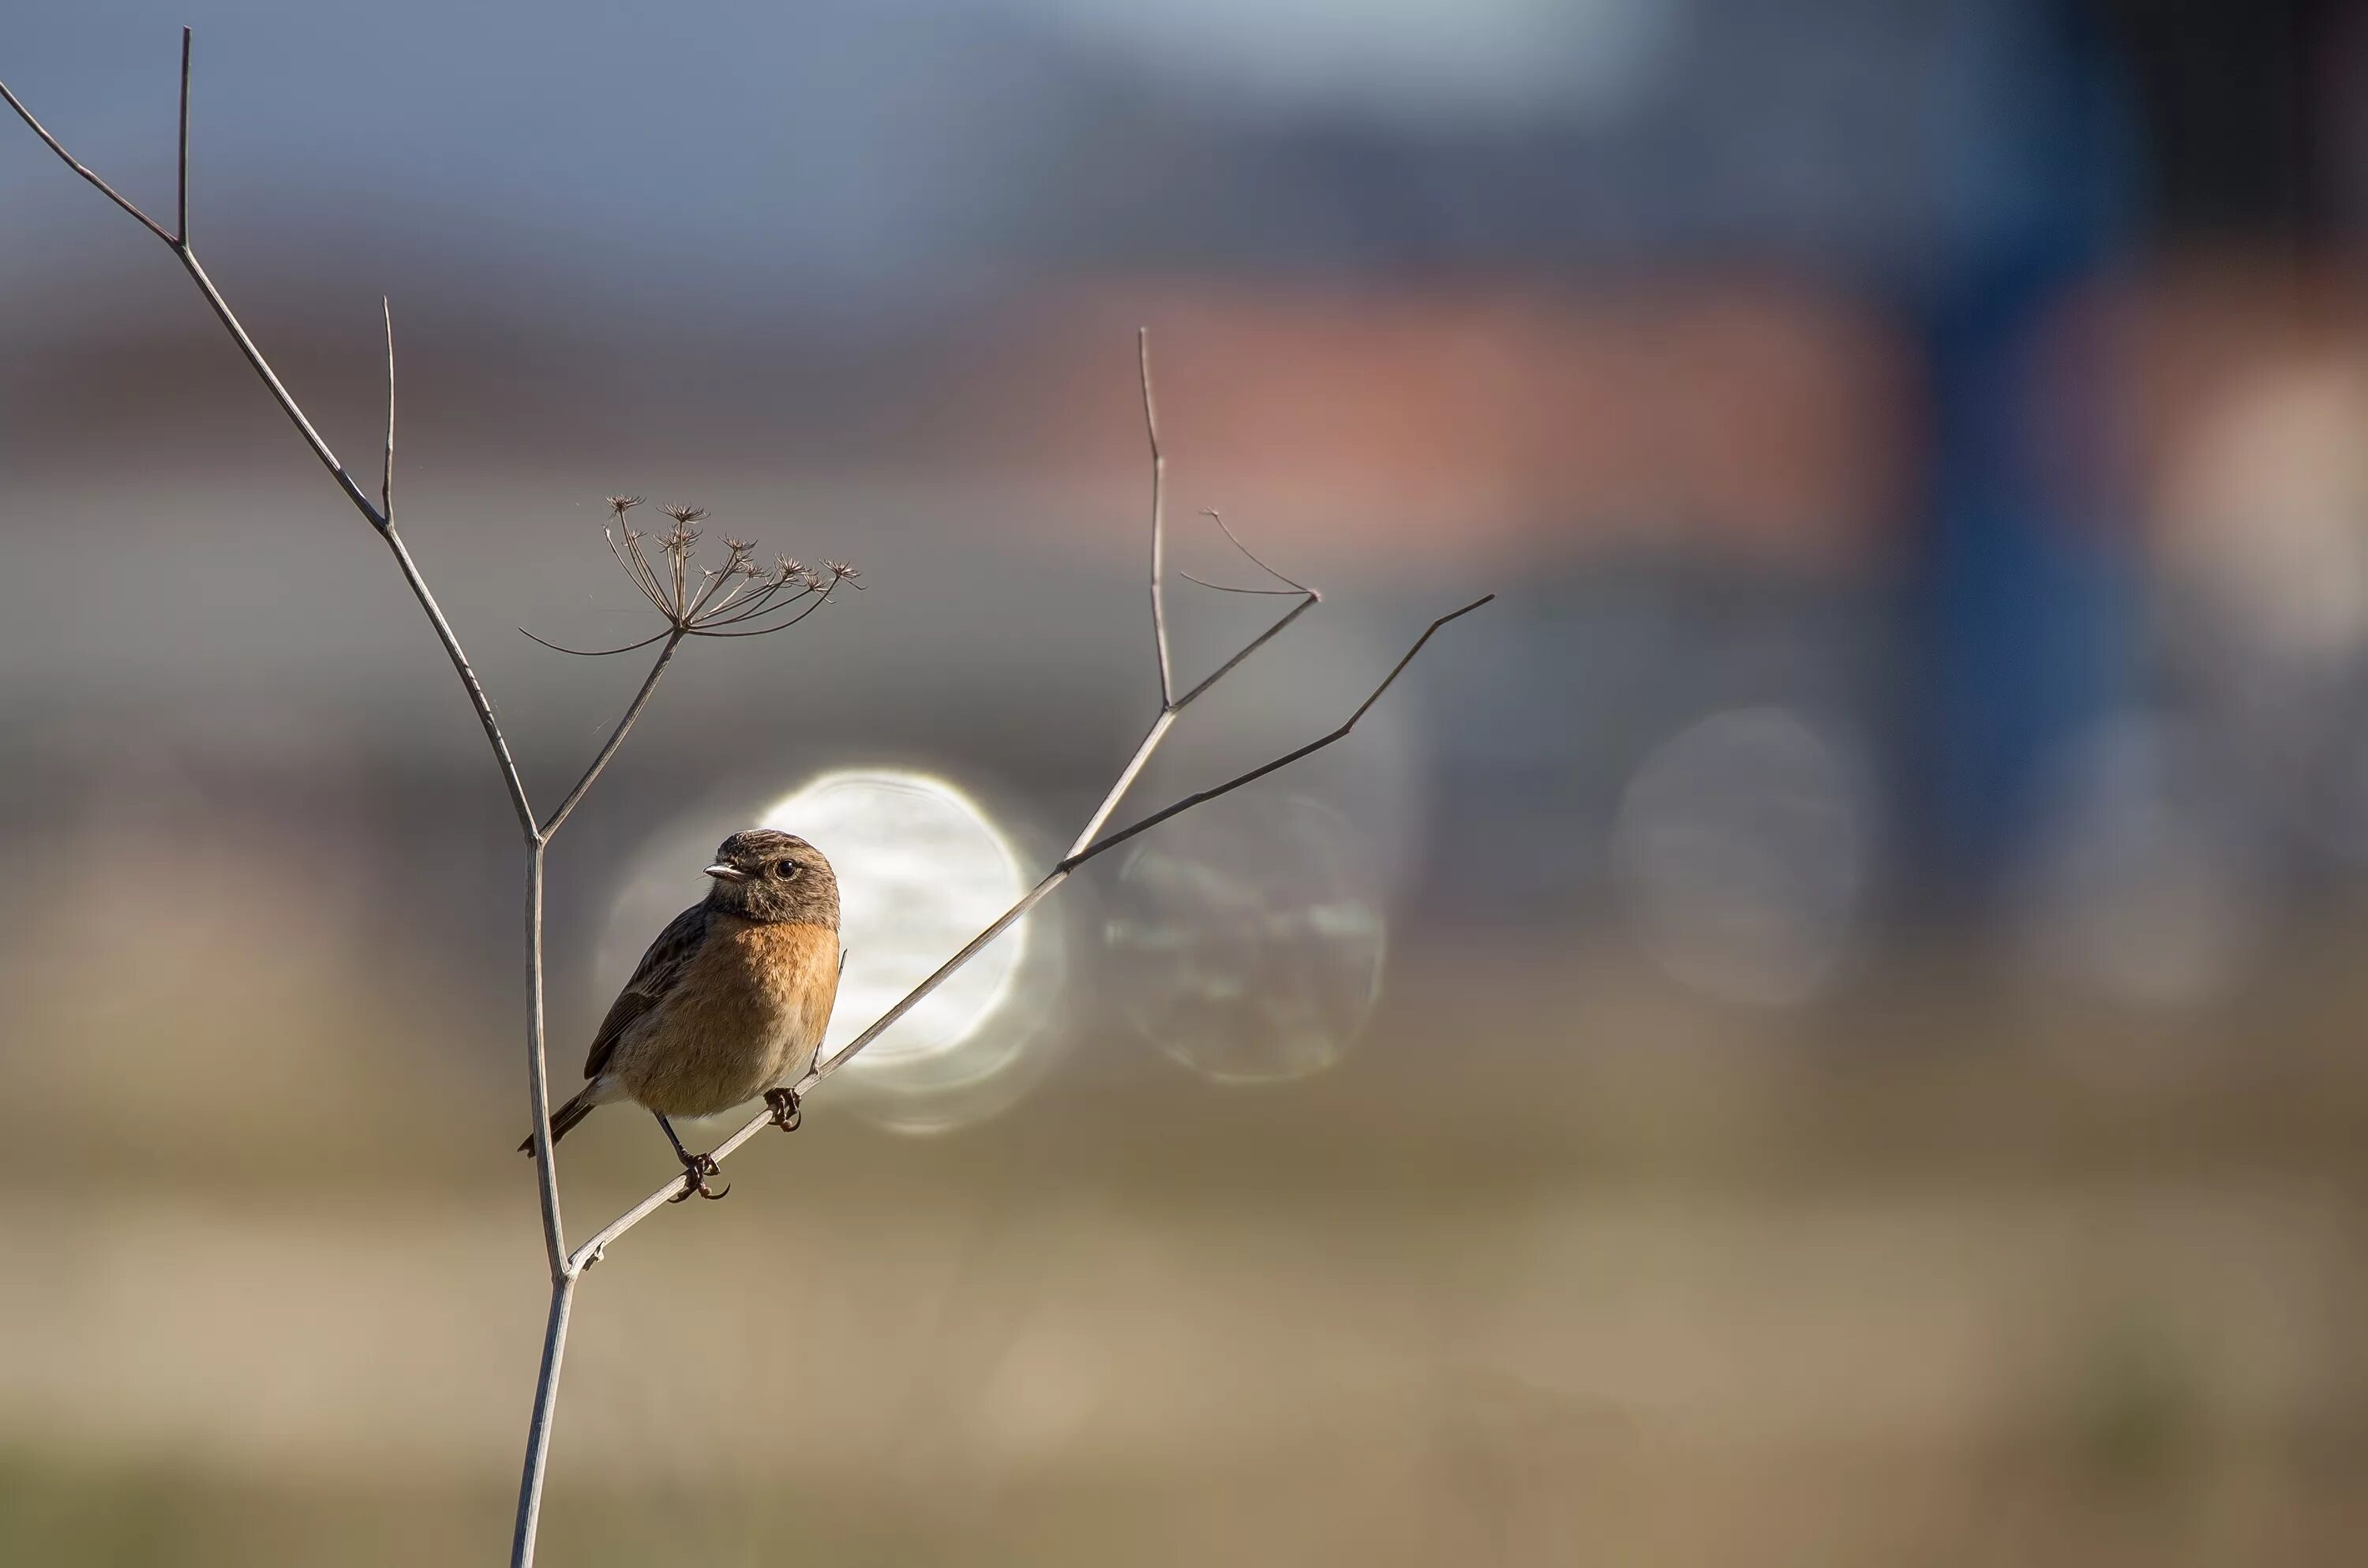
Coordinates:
738 598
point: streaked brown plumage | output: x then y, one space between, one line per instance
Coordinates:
731 999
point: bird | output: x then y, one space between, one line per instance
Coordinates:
730 1002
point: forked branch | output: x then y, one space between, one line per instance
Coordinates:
738 599
748 601
378 516
1087 846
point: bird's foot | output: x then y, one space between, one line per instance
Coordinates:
696 1169
787 1114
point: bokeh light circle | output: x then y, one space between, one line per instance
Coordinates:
921 871
1247 942
922 868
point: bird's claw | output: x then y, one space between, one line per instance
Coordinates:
695 1172
787 1114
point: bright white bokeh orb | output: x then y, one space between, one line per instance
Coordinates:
921 871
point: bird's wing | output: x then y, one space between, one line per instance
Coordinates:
653 978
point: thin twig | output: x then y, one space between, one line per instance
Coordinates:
637 568
1255 643
593 1248
1159 516
712 612
77 166
615 736
468 683
278 389
763 602
1086 846
386 473
599 653
538 1080
1233 588
181 159
766 631
380 517
1218 517
1255 773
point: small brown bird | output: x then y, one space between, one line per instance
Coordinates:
730 1002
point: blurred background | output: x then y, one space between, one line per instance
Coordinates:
1820 1028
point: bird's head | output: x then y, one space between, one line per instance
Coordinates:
773 877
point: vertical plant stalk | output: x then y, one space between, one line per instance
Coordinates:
535 837
708 608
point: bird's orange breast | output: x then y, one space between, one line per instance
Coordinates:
748 1013
797 967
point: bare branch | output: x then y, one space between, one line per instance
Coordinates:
1219 518
1231 588
180 246
1126 778
684 620
181 160
538 1431
1261 640
1255 773
1085 848
386 473
1158 517
599 653
593 1248
615 736
460 667
278 389
755 606
563 1271
77 166
379 520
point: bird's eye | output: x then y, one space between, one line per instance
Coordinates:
785 869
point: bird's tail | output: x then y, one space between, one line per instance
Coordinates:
565 1118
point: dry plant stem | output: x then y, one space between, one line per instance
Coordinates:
1079 853
386 473
377 515
1087 846
615 736
1158 519
695 616
535 837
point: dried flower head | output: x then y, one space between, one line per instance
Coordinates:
738 598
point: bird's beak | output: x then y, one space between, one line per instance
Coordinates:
723 873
